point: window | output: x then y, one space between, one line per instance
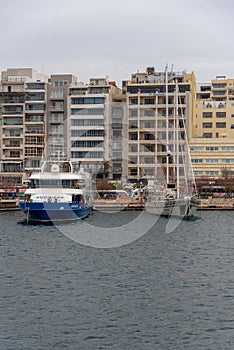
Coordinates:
212 173
117 134
133 136
13 121
133 160
14 154
149 160
117 112
211 148
35 86
149 113
149 101
56 129
133 112
133 101
220 115
149 172
57 105
13 110
212 160
34 118
220 125
149 148
228 148
197 160
149 125
227 161
87 100
56 117
57 94
87 133
35 107
87 111
88 144
60 83
149 137
196 148
36 140
87 122
35 96
117 167
133 148
207 125
116 146
85 154
15 132
133 172
198 173
207 115
34 129
219 85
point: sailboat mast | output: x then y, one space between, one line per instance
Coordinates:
177 141
167 127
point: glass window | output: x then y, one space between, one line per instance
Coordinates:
220 125
57 93
212 148
207 125
212 160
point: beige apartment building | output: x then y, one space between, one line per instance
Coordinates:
212 129
22 130
158 104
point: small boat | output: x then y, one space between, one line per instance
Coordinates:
56 194
166 203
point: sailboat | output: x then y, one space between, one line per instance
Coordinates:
173 193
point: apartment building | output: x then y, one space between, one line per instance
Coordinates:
212 137
119 133
90 141
158 104
57 132
22 130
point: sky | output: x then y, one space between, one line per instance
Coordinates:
115 38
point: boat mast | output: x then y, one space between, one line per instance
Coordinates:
167 136
177 140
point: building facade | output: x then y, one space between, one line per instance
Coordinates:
90 139
22 130
158 103
120 134
212 137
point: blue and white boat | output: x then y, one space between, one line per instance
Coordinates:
56 194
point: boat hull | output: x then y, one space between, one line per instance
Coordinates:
54 212
168 208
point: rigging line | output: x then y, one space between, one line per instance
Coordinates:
190 168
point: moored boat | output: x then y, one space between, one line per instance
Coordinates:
173 193
56 194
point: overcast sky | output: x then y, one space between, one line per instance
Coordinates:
115 38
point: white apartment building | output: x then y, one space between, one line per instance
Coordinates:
90 124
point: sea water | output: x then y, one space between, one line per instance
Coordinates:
164 290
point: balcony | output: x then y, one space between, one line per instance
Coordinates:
12 145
